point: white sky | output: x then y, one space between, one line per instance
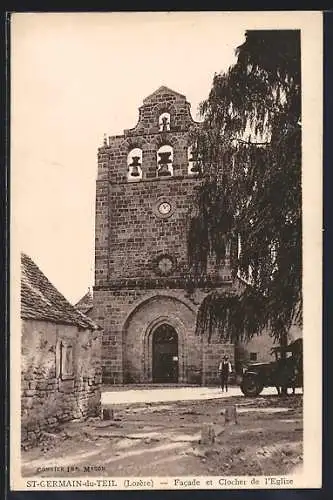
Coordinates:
75 77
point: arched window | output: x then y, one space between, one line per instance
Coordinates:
134 163
193 167
165 161
164 122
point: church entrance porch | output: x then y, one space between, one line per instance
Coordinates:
165 355
159 343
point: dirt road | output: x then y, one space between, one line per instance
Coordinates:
163 439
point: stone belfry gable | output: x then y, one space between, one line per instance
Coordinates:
148 136
163 100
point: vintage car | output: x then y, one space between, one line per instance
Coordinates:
283 373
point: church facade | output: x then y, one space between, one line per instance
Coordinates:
144 192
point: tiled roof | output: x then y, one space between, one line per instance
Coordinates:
86 303
42 301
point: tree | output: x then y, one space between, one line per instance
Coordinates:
249 154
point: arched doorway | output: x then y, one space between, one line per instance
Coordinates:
165 354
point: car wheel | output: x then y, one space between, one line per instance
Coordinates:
251 386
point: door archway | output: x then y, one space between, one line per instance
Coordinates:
165 354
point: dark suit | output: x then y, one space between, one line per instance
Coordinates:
224 370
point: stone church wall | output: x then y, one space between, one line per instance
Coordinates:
126 344
139 236
131 294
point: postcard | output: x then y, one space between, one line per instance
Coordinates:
166 250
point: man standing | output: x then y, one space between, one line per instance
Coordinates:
224 371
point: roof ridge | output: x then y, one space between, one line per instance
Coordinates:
161 89
40 299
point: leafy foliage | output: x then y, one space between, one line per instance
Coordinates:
231 317
249 153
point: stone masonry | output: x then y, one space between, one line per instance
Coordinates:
48 398
60 358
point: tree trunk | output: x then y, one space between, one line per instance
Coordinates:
283 344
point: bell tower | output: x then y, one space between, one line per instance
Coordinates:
144 191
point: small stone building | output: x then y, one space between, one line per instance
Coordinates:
60 357
146 182
85 305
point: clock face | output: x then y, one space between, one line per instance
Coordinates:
164 208
165 265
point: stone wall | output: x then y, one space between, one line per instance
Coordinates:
139 236
130 235
212 355
128 318
110 311
258 349
60 376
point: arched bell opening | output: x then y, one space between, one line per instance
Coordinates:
165 161
134 165
164 122
193 163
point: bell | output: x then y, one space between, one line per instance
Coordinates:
164 171
165 124
134 166
163 162
194 167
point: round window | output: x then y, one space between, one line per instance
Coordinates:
163 208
